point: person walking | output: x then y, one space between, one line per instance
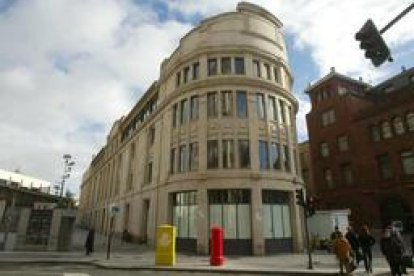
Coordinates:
352 238
90 240
393 250
366 241
343 251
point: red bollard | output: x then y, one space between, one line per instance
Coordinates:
216 252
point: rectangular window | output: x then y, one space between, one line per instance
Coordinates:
241 104
276 74
324 149
375 133
327 173
328 117
226 65
184 214
226 103
184 111
275 156
343 143
212 105
239 66
286 158
212 154
177 79
212 67
282 112
260 106
244 154
228 154
263 155
276 215
175 115
272 109
407 161
151 135
256 68
194 108
346 173
196 69
267 69
384 166
186 74
149 172
172 161
193 156
183 159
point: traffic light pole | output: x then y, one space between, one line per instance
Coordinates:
310 262
398 17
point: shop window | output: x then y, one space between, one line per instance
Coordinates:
239 66
228 154
212 66
276 215
212 154
263 155
260 106
226 103
184 214
244 154
407 161
212 105
241 104
226 65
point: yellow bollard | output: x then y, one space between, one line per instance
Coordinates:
165 248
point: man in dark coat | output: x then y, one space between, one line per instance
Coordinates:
352 238
393 250
90 240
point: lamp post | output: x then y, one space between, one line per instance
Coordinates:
68 164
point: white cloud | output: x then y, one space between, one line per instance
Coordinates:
66 72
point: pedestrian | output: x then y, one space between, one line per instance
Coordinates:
392 249
89 243
366 241
343 251
352 238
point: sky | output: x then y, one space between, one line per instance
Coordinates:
70 68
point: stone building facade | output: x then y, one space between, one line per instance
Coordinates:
362 147
212 142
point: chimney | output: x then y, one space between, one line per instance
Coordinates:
332 69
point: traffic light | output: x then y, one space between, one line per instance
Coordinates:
310 206
300 199
373 43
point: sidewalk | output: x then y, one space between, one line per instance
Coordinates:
144 259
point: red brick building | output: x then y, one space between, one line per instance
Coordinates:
362 147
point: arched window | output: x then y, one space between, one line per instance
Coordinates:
386 130
409 119
398 125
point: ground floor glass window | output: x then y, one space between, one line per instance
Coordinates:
276 215
184 214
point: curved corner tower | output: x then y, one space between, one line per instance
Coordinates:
212 142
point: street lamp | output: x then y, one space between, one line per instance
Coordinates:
68 164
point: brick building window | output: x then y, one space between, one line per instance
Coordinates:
409 118
407 161
328 117
398 125
375 133
384 166
327 174
386 130
346 173
324 149
343 143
